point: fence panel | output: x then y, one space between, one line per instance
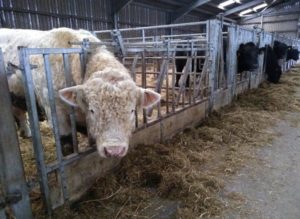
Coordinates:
12 172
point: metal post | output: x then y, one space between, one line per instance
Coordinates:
232 63
35 129
55 125
213 39
69 83
12 176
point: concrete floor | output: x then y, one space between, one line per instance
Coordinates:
269 187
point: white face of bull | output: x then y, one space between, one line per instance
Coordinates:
109 105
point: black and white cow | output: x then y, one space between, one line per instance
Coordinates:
247 57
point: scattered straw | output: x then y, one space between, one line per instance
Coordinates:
190 168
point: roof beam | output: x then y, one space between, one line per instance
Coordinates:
269 10
186 9
119 5
242 7
286 12
170 4
178 3
116 7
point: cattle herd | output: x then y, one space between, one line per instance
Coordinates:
106 98
248 53
247 60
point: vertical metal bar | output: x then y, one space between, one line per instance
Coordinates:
143 35
12 171
34 126
82 65
55 124
144 82
192 72
133 75
83 57
167 83
196 62
69 83
173 81
184 76
133 67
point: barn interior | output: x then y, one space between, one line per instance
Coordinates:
206 129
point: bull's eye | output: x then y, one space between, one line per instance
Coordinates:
91 110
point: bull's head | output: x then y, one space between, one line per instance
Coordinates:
109 101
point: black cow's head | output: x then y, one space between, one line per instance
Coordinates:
247 56
280 49
292 54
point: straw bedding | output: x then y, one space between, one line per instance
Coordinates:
189 169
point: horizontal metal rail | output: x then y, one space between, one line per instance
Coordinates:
48 51
68 160
159 57
150 49
154 27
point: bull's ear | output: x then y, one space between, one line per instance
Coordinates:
71 95
148 98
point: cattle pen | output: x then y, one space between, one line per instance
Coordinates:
43 173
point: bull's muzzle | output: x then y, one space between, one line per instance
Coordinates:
115 151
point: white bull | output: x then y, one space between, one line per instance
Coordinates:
105 99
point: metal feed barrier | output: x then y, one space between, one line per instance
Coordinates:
150 55
13 187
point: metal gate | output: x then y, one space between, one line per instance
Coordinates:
14 198
151 54
55 193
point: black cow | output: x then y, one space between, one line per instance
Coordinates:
292 54
280 49
181 62
247 57
272 68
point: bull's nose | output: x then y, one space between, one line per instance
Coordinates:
115 151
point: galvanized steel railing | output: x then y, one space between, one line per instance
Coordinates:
148 57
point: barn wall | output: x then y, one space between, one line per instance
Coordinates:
85 14
285 21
